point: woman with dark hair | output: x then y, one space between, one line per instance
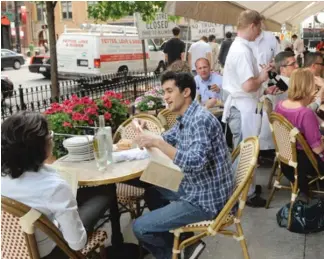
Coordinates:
26 143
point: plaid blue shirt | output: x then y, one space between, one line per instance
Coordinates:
203 156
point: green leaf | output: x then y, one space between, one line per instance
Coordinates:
106 10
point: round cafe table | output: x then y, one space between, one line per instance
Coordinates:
89 175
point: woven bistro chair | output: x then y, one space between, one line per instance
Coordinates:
130 197
18 223
268 107
168 119
247 152
285 136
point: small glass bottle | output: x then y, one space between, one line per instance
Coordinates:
100 145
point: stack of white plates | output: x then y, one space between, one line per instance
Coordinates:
80 148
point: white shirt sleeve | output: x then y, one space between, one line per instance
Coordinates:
190 49
208 48
64 207
244 67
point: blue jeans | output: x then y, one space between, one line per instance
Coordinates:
152 229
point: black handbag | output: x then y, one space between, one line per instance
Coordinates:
305 217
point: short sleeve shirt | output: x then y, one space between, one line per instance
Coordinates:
240 66
173 48
199 50
265 48
305 120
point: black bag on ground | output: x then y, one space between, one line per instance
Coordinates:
305 217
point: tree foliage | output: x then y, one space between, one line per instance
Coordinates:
104 10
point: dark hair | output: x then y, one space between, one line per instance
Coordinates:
204 38
176 31
228 35
23 143
311 58
280 59
294 36
182 80
321 49
211 38
289 49
205 59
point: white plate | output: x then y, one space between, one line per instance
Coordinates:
80 149
78 141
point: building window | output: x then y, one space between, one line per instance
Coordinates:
40 12
66 9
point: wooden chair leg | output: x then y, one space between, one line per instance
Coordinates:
273 172
175 247
103 254
242 241
294 193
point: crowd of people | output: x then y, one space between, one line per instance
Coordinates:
237 74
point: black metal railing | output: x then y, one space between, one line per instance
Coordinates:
130 85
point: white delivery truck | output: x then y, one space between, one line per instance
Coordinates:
100 49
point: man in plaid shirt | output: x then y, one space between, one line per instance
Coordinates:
197 145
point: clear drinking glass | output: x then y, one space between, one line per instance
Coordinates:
100 151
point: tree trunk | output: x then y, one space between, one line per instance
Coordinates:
50 6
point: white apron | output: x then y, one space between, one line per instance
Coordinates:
250 120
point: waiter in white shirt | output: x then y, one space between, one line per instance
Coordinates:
299 48
265 48
243 81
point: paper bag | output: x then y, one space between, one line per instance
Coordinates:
161 170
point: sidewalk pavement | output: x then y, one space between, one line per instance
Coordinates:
265 239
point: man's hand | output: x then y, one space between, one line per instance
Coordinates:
263 76
271 90
138 125
215 88
211 103
147 140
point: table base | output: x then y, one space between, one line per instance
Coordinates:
125 251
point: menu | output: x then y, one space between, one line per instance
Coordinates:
161 170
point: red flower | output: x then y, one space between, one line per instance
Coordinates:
67 124
75 98
118 96
110 93
50 111
127 102
85 117
90 122
91 111
66 103
107 103
107 116
68 110
56 107
76 116
86 100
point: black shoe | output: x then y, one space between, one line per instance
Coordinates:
258 189
194 251
256 202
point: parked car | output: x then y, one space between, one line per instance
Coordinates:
10 58
40 64
7 88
